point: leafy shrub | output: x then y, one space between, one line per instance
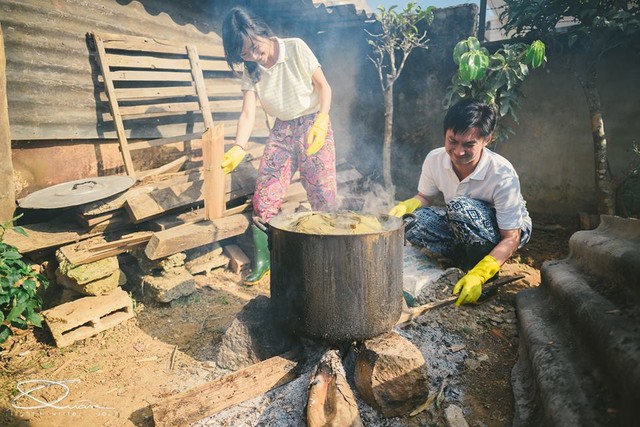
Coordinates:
493 78
19 302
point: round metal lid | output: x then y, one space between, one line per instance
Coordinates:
77 192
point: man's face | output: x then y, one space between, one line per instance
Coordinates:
465 149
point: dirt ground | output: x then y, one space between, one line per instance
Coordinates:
113 378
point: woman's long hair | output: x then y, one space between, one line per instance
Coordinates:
239 26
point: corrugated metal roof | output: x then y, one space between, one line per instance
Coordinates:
53 80
52 77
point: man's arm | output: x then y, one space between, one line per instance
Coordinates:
509 241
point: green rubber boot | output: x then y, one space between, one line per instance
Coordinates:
261 265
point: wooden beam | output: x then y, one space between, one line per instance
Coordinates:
181 238
86 252
153 44
201 90
214 176
113 104
172 166
232 389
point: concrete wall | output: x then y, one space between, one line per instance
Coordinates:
552 149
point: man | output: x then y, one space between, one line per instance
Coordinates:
485 219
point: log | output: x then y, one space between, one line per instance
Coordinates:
237 387
331 401
214 176
181 238
391 375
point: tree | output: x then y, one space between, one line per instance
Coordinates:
399 36
596 27
494 78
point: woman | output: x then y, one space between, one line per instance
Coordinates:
287 79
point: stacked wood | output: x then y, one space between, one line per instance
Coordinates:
391 375
331 401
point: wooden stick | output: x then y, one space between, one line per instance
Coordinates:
234 388
414 312
173 358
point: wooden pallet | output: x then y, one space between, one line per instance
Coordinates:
149 80
86 317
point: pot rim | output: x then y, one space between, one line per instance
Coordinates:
390 223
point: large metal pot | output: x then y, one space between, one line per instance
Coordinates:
336 287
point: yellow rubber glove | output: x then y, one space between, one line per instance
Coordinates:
404 207
232 158
317 134
471 283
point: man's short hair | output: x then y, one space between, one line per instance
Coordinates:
469 114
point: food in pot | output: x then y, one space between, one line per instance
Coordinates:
335 223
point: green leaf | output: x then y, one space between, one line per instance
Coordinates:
5 333
461 48
474 44
35 319
16 312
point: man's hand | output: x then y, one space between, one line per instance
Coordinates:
317 134
406 206
232 158
470 286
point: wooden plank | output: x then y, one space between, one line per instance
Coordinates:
223 87
149 62
168 221
156 63
214 176
45 235
90 221
163 141
154 92
148 110
87 251
150 204
175 108
232 389
146 206
117 202
101 57
172 166
150 76
153 44
178 239
201 90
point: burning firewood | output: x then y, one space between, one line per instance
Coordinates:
391 375
331 401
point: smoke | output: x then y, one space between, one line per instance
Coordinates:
368 197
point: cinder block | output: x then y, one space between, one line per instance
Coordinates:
88 316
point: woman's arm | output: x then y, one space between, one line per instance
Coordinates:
247 118
321 84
